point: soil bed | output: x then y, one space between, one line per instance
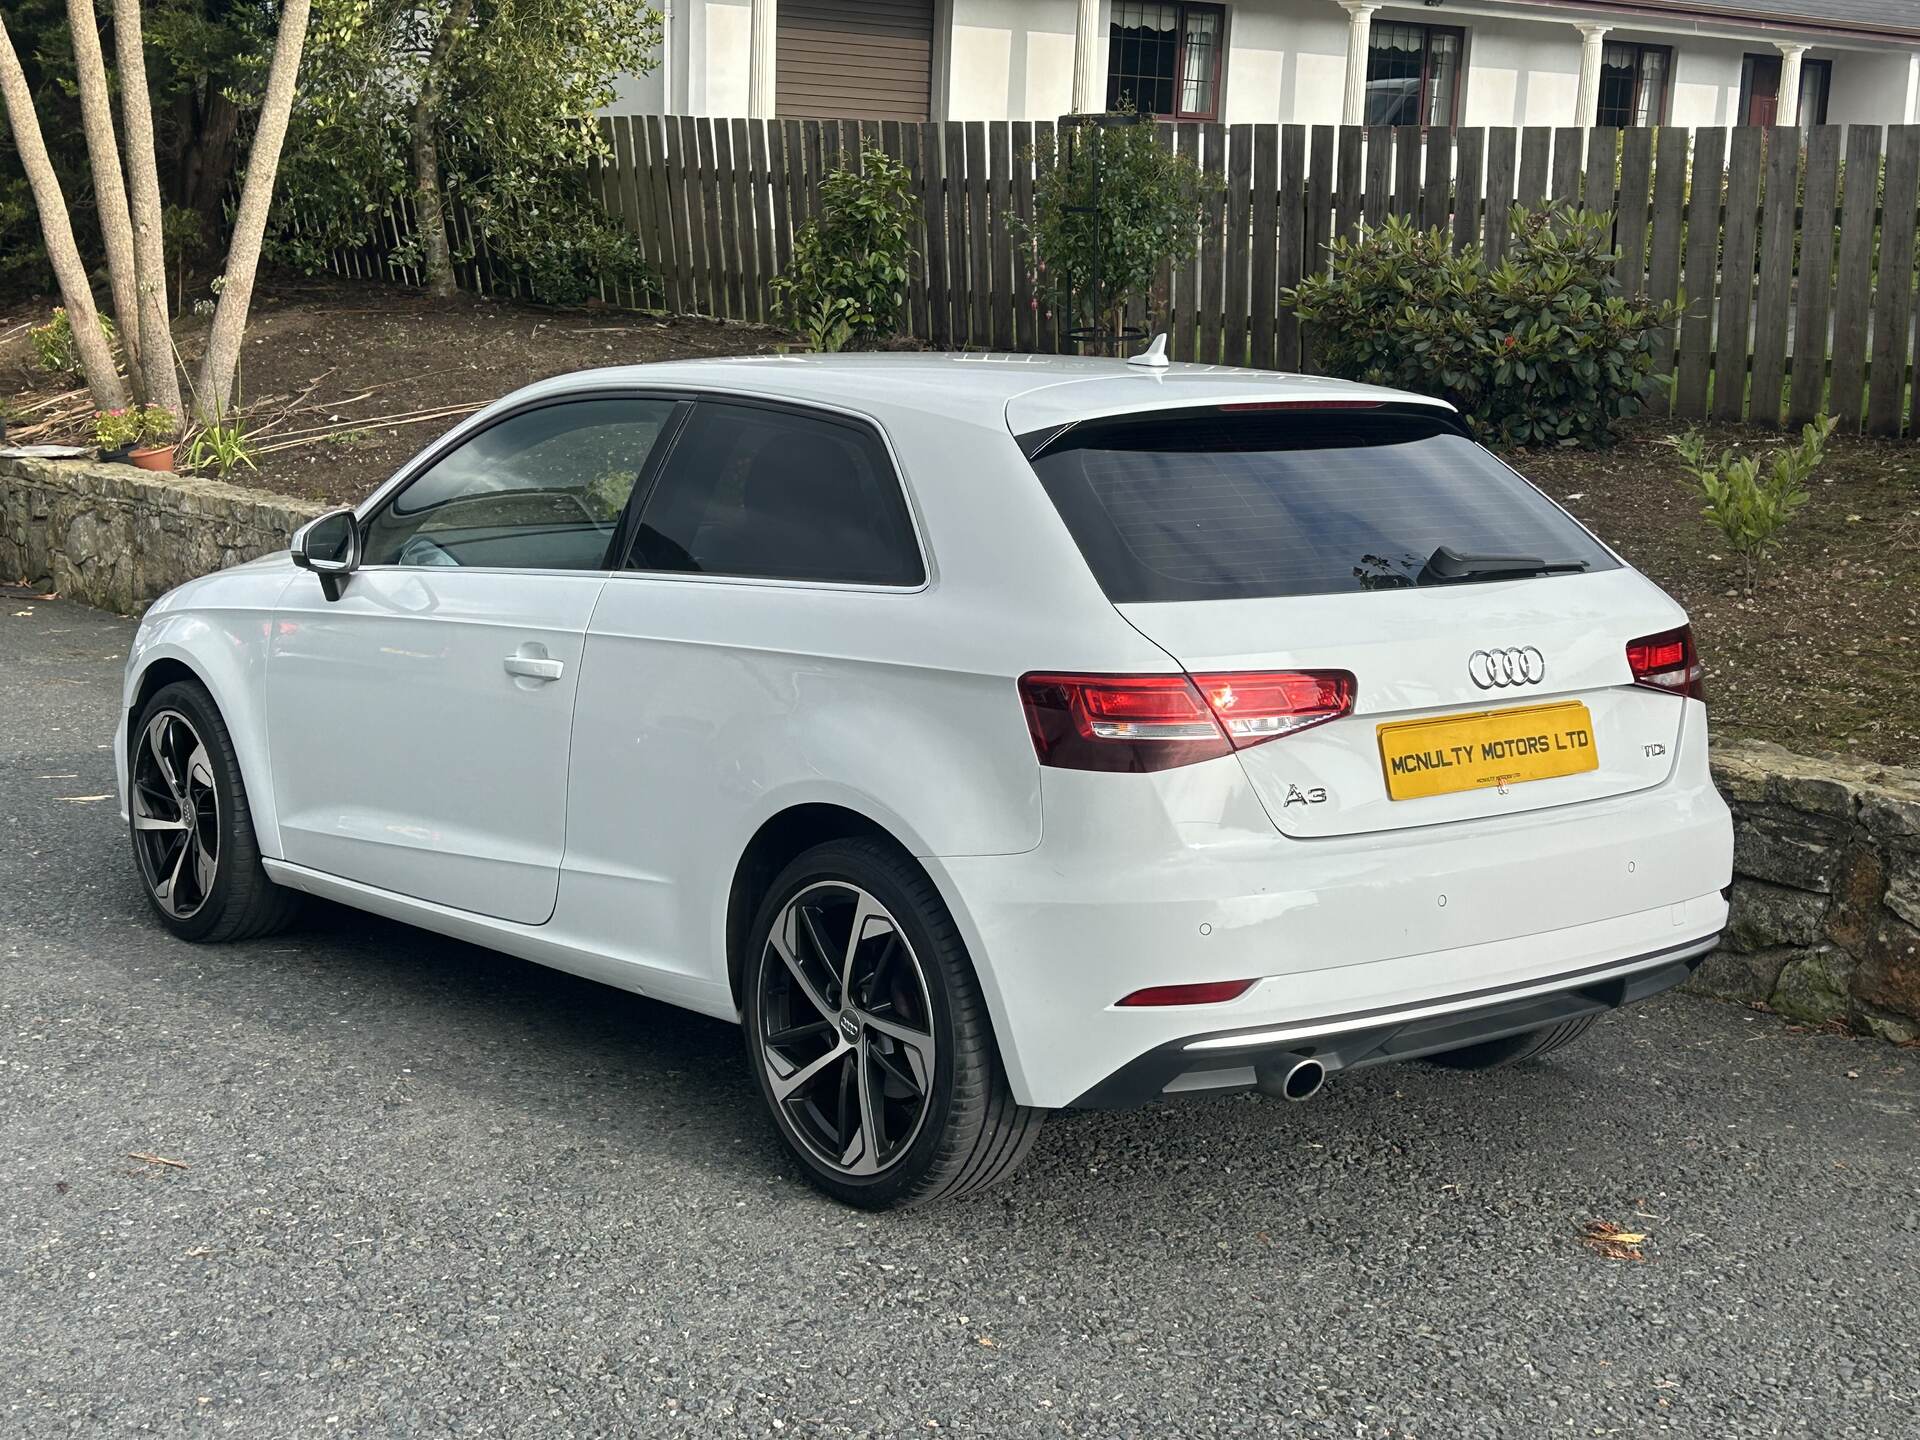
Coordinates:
354 372
1821 655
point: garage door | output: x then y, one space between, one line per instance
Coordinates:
855 59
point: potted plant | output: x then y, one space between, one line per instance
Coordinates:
153 448
116 432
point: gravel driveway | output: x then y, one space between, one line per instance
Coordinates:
428 1190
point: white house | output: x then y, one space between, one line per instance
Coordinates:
1466 62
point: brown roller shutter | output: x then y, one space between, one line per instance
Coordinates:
855 59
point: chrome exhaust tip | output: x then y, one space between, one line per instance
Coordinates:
1293 1077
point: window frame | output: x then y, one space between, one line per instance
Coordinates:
1218 82
1427 32
1657 115
624 568
421 465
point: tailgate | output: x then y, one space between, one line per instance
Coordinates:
1512 743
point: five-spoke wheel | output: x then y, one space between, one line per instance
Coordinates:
846 1027
866 1026
176 814
192 828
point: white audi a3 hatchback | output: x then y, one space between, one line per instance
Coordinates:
985 734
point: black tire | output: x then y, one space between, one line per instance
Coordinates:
972 1133
241 903
1514 1049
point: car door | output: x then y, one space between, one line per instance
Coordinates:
420 723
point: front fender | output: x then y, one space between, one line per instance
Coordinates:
224 646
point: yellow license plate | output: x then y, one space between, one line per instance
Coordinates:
1494 748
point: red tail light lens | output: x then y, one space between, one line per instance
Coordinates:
1156 722
1210 992
1668 661
1256 707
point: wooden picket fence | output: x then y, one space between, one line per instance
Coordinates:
1773 329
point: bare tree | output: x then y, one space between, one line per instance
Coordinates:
435 253
143 175
96 357
222 359
109 189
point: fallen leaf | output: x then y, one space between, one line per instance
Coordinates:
1611 1241
989 1342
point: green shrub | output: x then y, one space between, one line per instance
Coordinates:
849 263
1540 350
53 348
559 245
1751 507
1151 204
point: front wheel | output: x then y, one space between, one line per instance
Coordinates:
192 829
866 1028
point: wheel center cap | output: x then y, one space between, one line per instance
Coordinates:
850 1026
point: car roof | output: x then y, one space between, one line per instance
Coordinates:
1024 392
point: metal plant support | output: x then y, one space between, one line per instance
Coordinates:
1100 337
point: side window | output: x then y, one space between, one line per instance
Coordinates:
774 494
542 490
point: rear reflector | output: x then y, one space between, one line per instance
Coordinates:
1211 992
1668 661
1144 723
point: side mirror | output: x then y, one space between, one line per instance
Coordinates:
329 545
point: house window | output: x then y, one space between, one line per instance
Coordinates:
1760 90
1165 59
1633 84
1413 74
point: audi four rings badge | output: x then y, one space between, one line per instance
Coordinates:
1500 669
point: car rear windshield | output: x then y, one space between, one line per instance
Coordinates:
1220 505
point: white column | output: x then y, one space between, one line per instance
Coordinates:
1353 110
1786 107
763 28
1586 107
1089 83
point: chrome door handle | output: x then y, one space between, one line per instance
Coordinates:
530 667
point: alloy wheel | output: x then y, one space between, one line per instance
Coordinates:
846 1028
176 814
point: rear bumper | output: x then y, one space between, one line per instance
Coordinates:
1255 1058
1179 877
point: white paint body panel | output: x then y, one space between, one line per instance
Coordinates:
596 823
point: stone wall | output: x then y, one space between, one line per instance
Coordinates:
118 537
1826 891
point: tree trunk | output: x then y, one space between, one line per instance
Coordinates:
109 189
435 253
215 389
95 356
143 177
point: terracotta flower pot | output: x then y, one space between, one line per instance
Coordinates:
154 457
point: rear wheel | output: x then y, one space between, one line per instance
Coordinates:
192 829
866 1028
1513 1049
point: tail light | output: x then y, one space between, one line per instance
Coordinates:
1156 722
1668 661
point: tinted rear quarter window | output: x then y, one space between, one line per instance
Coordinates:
1237 505
780 494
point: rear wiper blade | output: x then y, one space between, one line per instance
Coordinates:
1447 566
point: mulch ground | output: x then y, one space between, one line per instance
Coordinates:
341 384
